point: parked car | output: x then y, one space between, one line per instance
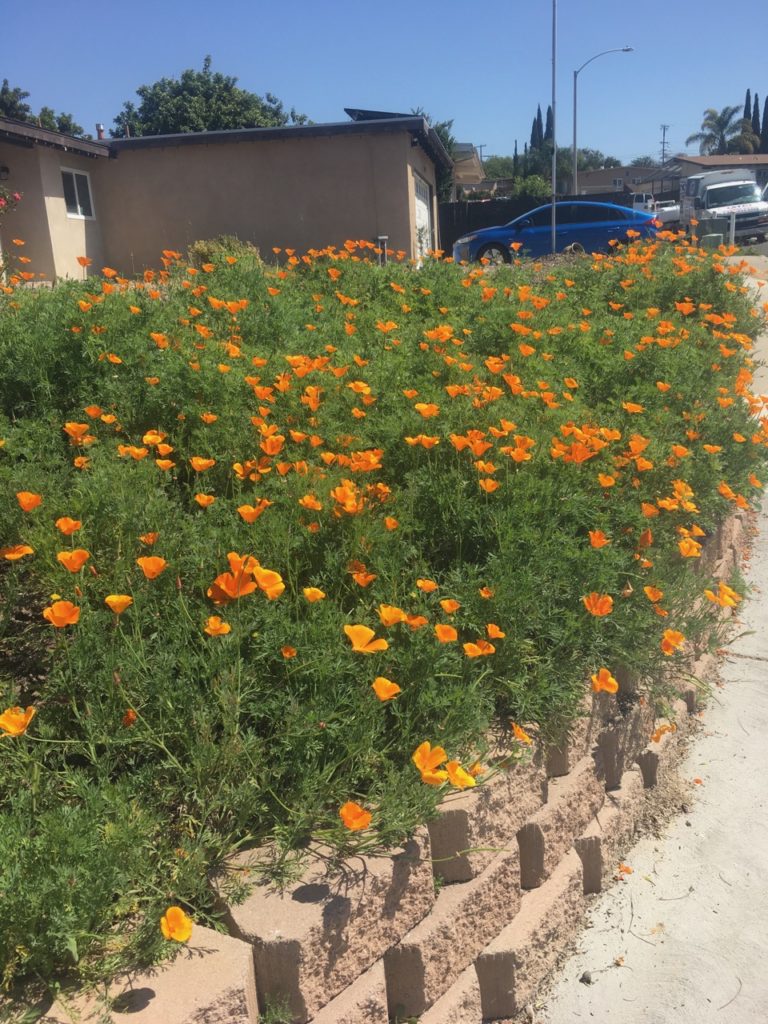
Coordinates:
667 211
584 226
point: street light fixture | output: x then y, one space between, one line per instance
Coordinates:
617 49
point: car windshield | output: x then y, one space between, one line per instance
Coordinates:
731 195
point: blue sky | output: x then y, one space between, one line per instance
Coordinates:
486 65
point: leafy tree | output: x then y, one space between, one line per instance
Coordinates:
748 106
612 161
48 118
549 130
499 167
719 129
756 117
12 102
642 161
199 101
764 132
443 130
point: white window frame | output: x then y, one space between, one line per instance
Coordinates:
618 183
73 171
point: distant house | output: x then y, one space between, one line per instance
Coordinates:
613 179
467 167
122 201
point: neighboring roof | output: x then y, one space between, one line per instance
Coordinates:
417 125
24 133
727 160
372 115
468 167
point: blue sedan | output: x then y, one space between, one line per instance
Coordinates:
587 227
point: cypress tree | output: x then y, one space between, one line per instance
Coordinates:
764 133
539 128
549 131
533 135
748 106
515 163
756 116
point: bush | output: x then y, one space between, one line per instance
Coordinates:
478 450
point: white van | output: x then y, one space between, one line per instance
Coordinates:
718 194
643 201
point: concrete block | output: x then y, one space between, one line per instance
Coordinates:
611 832
475 825
315 938
363 1002
573 802
621 741
423 965
211 981
460 1004
514 964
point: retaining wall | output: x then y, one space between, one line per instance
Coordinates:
463 923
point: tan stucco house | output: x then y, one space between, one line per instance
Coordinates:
122 201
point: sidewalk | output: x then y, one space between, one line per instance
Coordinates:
684 938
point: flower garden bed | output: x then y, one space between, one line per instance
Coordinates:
291 552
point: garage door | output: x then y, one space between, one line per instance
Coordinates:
423 216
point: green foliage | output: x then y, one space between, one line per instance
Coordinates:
13 104
724 131
234 740
199 101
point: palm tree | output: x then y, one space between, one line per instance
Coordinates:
718 130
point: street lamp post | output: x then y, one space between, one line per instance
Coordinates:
617 49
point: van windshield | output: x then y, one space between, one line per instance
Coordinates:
731 195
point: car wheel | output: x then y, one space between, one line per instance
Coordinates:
574 249
495 253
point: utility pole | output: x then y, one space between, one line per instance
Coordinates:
664 128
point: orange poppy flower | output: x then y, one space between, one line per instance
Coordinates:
604 682
313 594
520 734
149 538
390 523
653 593
390 614
288 652
428 759
486 593
479 650
204 500
28 500
598 539
118 602
449 606
598 604
250 513
606 480
363 640
215 626
493 631
671 640
458 776
73 560
176 925
16 551
689 548
354 817
129 718
67 526
269 581
61 614
384 688
199 464
151 566
446 634
426 586
15 721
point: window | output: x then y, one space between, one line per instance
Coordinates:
77 193
618 182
